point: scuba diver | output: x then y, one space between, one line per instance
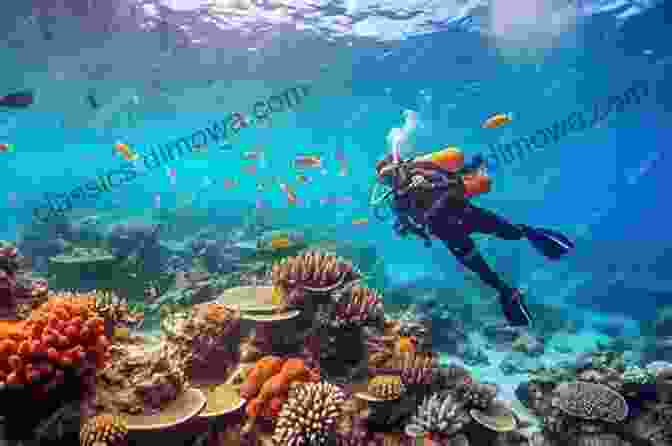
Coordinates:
430 196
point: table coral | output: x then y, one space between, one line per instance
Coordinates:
591 402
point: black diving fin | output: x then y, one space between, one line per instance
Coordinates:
552 244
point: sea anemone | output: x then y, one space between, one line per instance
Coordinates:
309 415
358 306
311 272
103 430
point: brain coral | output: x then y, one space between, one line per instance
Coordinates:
591 401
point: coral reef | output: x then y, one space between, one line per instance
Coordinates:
269 382
311 273
309 415
443 414
358 306
138 381
19 292
204 340
386 387
104 430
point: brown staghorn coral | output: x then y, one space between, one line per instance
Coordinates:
103 430
591 402
386 387
418 368
309 415
311 272
358 306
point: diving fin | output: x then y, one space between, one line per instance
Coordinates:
551 244
514 309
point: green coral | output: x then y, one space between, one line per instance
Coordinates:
638 375
608 359
551 375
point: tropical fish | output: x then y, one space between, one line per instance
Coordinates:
251 169
4 147
497 120
303 179
280 243
126 151
307 162
291 196
360 221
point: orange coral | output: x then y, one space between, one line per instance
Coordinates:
273 392
405 344
263 370
58 333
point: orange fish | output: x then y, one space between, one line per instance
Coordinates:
307 162
126 152
360 221
497 120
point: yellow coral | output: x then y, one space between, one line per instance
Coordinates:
386 387
103 430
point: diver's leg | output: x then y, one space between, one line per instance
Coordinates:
487 222
464 249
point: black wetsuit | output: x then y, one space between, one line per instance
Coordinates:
453 219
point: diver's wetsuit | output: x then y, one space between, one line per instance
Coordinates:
453 219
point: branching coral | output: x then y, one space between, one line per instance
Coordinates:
591 402
104 430
311 272
386 387
418 368
438 413
478 395
358 306
110 307
309 415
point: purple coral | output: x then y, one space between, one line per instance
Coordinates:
14 287
359 306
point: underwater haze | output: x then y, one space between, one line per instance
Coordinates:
216 137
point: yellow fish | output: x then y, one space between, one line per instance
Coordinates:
126 151
497 120
280 243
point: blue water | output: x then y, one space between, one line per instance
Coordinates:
606 187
